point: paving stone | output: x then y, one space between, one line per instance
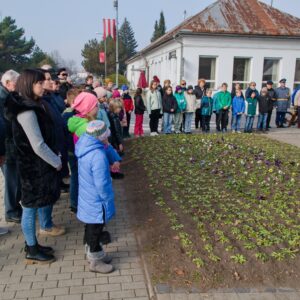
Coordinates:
29 294
7 295
56 292
121 294
96 296
71 282
83 289
108 287
133 286
120 279
45 284
96 281
61 276
18 287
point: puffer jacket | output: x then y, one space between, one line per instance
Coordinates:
116 137
96 196
169 102
181 102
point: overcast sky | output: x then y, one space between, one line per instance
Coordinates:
66 25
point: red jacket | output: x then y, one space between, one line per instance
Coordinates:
128 103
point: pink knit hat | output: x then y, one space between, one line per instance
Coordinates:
116 94
101 92
84 103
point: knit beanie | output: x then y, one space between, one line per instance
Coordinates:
125 87
178 88
156 79
101 92
98 130
84 103
116 94
190 87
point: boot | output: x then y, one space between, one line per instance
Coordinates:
98 266
35 256
107 259
46 250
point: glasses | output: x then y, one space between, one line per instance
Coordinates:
183 84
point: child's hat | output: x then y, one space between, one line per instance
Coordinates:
178 88
85 102
101 92
98 130
124 87
116 94
190 87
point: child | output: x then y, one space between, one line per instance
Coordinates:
102 112
169 108
206 111
139 113
264 102
251 111
223 102
250 89
116 138
181 106
190 108
238 108
96 197
128 106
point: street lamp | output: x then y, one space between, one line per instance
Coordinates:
116 6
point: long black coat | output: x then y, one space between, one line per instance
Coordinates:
40 182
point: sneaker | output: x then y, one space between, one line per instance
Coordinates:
54 231
153 134
3 231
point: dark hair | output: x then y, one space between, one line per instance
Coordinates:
224 84
61 70
89 77
138 92
26 81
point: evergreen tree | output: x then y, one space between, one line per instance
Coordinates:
39 58
14 48
162 25
126 35
155 33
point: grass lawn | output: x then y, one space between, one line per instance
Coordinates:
217 211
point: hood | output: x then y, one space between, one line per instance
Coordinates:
86 144
3 92
77 125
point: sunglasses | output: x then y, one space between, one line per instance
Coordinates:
183 84
64 74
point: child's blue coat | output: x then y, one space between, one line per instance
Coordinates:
96 196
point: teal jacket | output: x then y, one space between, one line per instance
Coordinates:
206 106
223 99
251 107
181 102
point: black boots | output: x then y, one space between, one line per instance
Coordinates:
35 255
46 250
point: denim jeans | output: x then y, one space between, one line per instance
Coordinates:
262 121
45 217
168 119
236 122
280 116
73 163
177 121
12 193
188 122
249 123
28 225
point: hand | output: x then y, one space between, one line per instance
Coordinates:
172 110
130 112
2 160
115 167
121 148
59 168
225 108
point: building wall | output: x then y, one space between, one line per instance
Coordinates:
226 48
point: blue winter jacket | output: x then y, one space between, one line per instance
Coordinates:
96 196
238 105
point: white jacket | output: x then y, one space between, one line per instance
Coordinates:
190 102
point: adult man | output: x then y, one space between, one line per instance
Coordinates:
297 103
272 95
64 84
200 92
12 196
283 102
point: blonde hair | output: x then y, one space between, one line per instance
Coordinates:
167 81
114 104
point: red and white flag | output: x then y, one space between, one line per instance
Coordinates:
109 28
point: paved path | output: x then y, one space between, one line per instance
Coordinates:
286 135
69 278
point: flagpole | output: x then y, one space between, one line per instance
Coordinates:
105 68
116 5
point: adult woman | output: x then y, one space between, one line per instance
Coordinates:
38 159
154 107
200 92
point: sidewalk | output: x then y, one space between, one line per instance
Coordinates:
286 135
68 277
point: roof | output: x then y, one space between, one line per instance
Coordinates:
235 17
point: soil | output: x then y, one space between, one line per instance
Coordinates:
167 261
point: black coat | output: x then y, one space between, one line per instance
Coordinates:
116 137
40 182
139 105
199 93
264 103
64 88
272 94
169 102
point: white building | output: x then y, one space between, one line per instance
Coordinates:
230 41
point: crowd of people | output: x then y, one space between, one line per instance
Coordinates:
52 131
180 105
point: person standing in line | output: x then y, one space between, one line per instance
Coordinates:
251 110
181 106
169 109
139 110
200 92
8 161
264 102
297 105
283 103
224 100
64 84
167 83
251 89
190 108
154 107
38 158
89 83
128 106
238 109
206 111
273 96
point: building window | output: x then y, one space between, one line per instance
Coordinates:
207 70
271 69
241 71
297 73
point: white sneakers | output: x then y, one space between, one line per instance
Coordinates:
153 134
